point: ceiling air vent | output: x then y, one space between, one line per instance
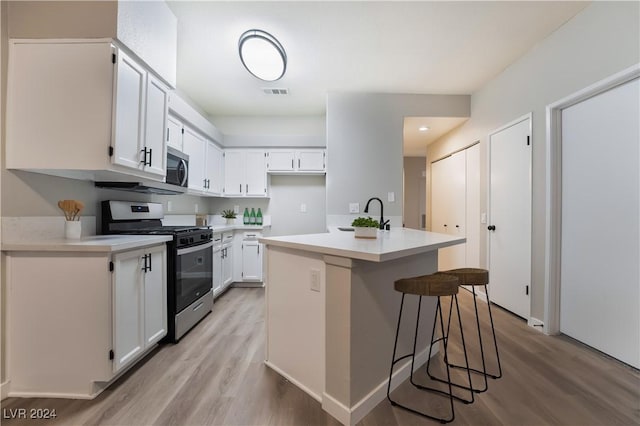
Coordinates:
272 91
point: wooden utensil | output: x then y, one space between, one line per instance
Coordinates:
78 207
71 209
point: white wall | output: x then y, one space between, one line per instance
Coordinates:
414 191
287 194
599 41
364 144
277 131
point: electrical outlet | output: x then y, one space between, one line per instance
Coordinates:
169 206
354 207
315 280
483 218
303 208
236 209
391 197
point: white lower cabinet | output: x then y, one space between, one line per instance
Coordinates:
251 260
78 319
139 302
217 264
227 259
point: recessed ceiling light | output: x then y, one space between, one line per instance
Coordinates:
262 55
423 128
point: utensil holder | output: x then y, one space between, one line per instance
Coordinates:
72 229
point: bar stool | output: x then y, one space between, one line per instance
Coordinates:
435 285
475 277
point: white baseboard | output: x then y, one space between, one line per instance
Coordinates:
4 389
479 295
536 324
311 393
351 416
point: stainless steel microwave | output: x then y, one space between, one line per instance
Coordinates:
177 167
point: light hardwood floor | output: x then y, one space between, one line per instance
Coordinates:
215 376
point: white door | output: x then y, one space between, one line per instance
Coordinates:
194 147
255 167
600 280
129 112
128 332
448 180
234 173
156 126
155 295
174 133
281 161
311 160
472 206
510 214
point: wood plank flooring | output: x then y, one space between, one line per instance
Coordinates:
215 376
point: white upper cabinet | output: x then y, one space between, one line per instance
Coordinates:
245 173
287 161
194 146
205 163
174 133
86 104
281 161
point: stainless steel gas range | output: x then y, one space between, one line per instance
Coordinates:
189 259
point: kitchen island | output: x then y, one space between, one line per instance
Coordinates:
331 312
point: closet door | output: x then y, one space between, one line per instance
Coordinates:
448 181
600 279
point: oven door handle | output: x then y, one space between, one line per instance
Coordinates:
195 248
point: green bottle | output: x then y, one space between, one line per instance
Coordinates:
245 216
252 217
259 217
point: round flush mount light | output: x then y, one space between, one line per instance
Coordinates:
262 55
423 128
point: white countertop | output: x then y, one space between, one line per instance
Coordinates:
393 244
95 243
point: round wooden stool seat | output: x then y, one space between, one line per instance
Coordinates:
428 285
469 276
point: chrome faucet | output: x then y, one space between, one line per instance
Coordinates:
382 221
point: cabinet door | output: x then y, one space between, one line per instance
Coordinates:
174 133
129 112
194 147
128 306
234 173
157 108
155 295
311 161
227 265
213 171
217 270
251 261
255 174
281 161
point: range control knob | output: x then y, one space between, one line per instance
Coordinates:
190 239
183 241
203 237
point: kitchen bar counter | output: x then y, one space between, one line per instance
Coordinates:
95 244
331 312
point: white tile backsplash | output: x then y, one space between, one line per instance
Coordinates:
42 227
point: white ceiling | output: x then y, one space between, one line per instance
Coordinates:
377 47
416 141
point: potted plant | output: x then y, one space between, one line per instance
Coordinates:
230 215
365 227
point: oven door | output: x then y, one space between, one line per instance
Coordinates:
194 274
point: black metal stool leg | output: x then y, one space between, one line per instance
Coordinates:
495 341
412 355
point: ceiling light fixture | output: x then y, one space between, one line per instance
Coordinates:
423 128
262 55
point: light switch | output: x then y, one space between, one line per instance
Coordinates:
196 208
354 207
236 209
315 280
303 208
483 218
169 206
391 197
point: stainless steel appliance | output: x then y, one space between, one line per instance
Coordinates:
177 167
189 255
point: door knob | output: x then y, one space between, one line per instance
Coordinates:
491 227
